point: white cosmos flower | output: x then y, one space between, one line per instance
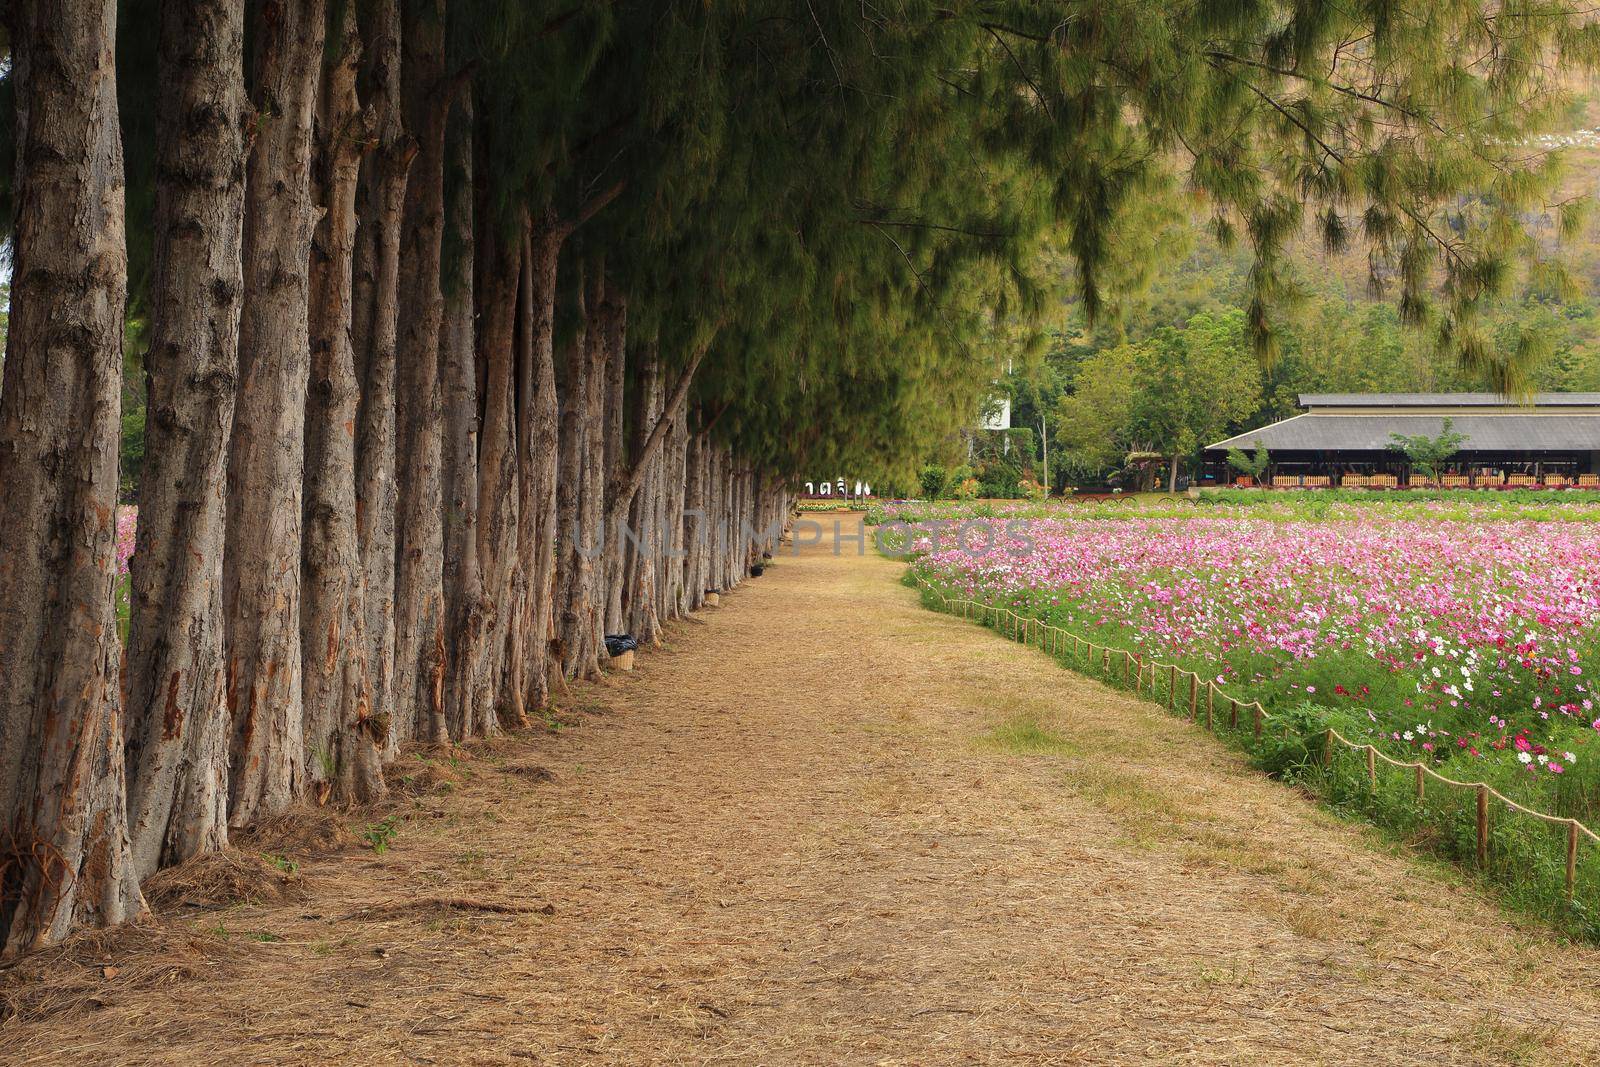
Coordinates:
1525 757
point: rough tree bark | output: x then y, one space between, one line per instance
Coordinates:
341 735
458 385
496 295
64 857
669 565
573 439
383 190
637 587
541 254
695 523
635 552
613 460
419 573
177 753
261 588
581 614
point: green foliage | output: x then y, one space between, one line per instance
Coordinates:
1193 382
1428 453
853 207
1254 465
932 481
1166 396
132 455
379 835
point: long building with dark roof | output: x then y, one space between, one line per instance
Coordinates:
1344 439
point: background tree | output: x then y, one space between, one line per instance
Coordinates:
1427 453
63 804
1252 465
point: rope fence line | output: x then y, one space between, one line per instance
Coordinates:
1052 639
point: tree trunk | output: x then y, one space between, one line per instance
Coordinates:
574 443
588 606
636 564
614 461
374 326
1172 476
542 250
670 565
342 738
694 523
458 385
419 575
497 470
65 852
261 587
177 755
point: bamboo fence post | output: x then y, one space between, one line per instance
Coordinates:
1105 662
1233 713
1421 777
1258 720
1327 749
1372 767
1127 668
1138 676
1172 687
1194 695
1572 856
1483 826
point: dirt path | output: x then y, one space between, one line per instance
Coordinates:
828 826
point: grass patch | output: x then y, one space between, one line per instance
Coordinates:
1503 1042
1024 735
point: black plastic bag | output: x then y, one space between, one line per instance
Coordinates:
617 644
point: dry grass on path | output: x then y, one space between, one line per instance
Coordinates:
828 826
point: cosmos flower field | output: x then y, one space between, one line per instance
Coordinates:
1468 639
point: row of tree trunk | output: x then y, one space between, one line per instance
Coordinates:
380 502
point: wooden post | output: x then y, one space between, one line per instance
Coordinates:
1127 668
1421 777
1572 855
1138 675
1211 700
1372 767
1172 687
1327 749
1258 720
1483 826
1233 712
1194 695
1105 663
